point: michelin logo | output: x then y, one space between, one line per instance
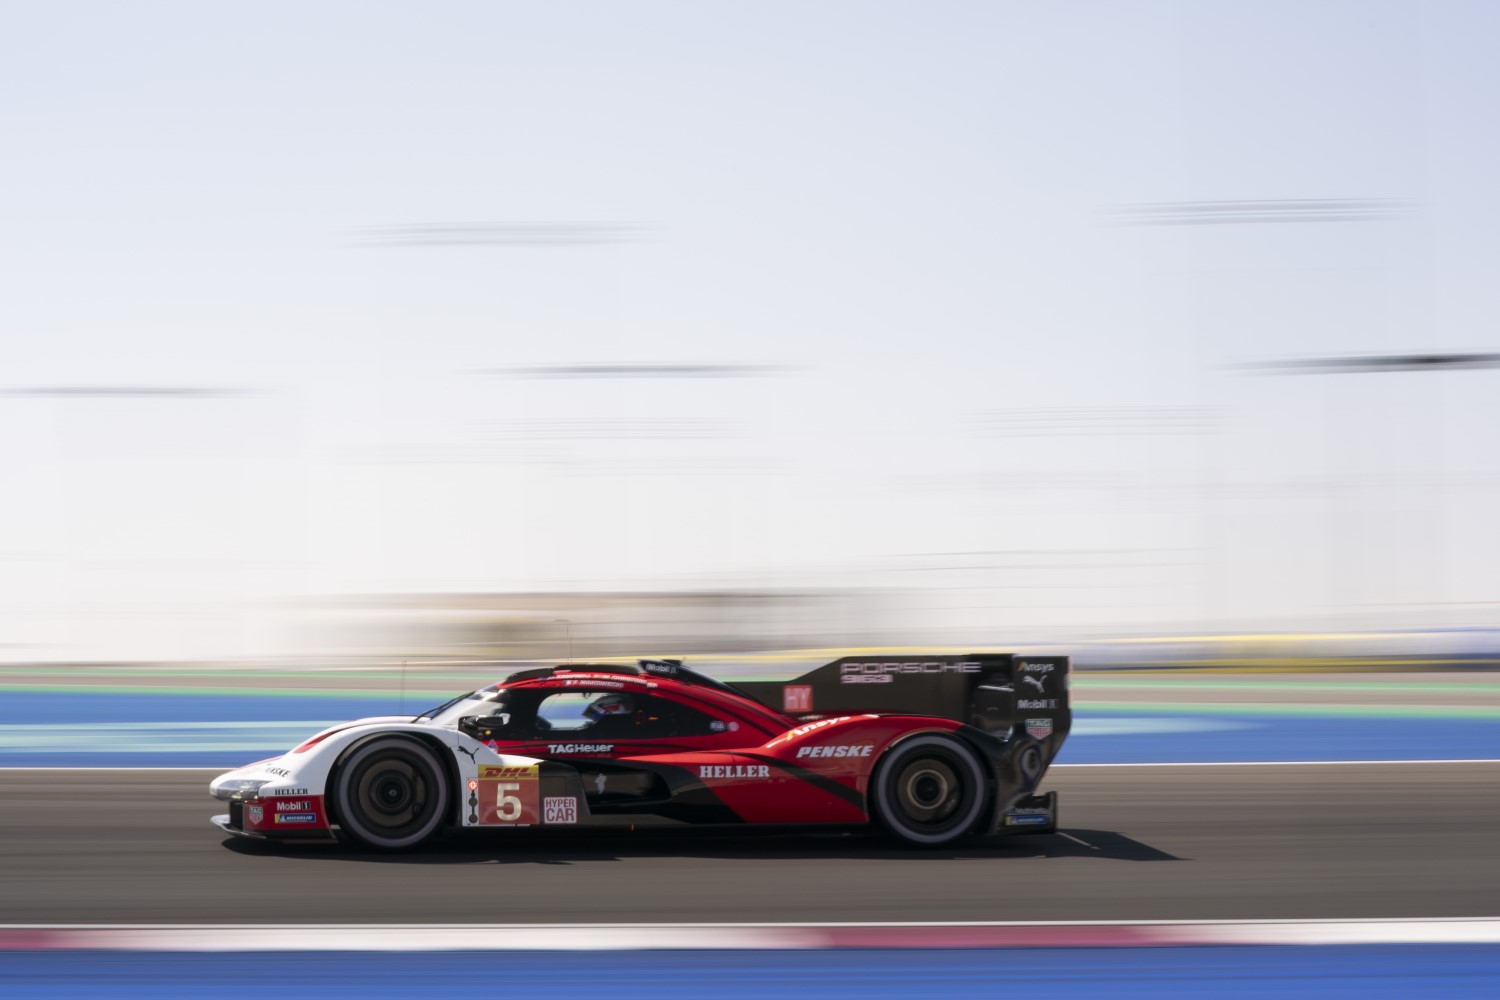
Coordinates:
296 818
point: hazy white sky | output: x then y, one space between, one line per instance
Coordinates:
922 213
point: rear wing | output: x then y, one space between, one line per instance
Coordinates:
995 692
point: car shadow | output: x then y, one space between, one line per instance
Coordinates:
553 847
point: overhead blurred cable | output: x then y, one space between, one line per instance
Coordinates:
1374 363
1229 213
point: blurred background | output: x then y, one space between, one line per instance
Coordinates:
353 353
356 330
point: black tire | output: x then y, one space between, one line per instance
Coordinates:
929 790
391 794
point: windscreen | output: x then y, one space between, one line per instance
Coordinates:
484 702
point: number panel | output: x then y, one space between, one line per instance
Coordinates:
509 796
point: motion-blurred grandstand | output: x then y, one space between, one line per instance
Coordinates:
755 629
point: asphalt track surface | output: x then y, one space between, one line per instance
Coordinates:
1165 842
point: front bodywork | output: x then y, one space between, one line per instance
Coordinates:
287 797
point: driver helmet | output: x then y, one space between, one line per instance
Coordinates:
608 705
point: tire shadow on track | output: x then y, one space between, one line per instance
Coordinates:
554 848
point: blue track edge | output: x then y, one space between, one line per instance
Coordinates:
1366 971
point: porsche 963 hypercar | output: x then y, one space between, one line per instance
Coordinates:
928 748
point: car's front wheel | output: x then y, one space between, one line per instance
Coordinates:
391 794
929 790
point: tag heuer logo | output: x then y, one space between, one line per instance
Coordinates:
257 814
1039 729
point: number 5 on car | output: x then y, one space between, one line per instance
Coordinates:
508 796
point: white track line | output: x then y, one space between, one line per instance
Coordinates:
740 936
671 925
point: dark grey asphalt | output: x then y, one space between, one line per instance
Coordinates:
1331 841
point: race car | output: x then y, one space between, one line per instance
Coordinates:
928 748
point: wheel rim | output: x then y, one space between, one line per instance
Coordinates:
393 794
928 790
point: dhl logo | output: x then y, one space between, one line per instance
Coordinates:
491 772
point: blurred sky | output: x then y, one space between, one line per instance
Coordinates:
972 367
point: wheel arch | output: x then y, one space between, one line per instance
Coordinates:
443 752
984 747
982 755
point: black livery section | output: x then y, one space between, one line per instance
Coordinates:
998 693
1015 710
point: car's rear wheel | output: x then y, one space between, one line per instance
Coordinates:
929 790
391 794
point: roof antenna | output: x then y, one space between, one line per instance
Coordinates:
569 623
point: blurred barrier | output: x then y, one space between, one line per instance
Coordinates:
752 630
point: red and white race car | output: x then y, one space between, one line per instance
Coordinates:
930 748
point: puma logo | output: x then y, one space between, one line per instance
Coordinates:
1037 681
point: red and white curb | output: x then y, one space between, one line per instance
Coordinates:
743 936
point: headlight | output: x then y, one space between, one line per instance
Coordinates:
237 788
